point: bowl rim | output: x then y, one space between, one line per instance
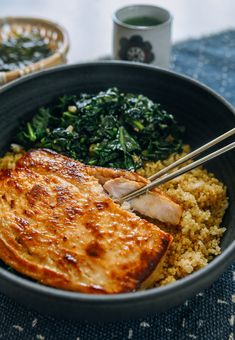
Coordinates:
224 259
58 68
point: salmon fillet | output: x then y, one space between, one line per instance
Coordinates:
155 203
59 227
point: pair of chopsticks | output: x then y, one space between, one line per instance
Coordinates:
162 176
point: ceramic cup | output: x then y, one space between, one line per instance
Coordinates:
142 33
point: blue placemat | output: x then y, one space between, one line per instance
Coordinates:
209 315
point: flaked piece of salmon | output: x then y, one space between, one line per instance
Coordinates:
58 226
155 203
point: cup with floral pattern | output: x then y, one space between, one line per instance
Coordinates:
142 33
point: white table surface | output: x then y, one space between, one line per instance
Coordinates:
89 22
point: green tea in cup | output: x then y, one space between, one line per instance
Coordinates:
142 21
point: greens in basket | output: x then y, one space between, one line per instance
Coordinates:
111 129
20 50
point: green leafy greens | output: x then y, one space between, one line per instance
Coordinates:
22 50
110 129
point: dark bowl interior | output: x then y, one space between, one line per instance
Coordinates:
204 114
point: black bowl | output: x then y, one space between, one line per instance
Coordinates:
205 115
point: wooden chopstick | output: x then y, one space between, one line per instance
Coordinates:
192 154
161 177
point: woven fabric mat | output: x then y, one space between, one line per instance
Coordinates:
210 314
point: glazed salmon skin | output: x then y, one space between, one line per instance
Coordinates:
59 227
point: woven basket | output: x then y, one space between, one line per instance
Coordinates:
56 36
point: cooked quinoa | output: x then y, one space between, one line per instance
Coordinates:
10 158
197 237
